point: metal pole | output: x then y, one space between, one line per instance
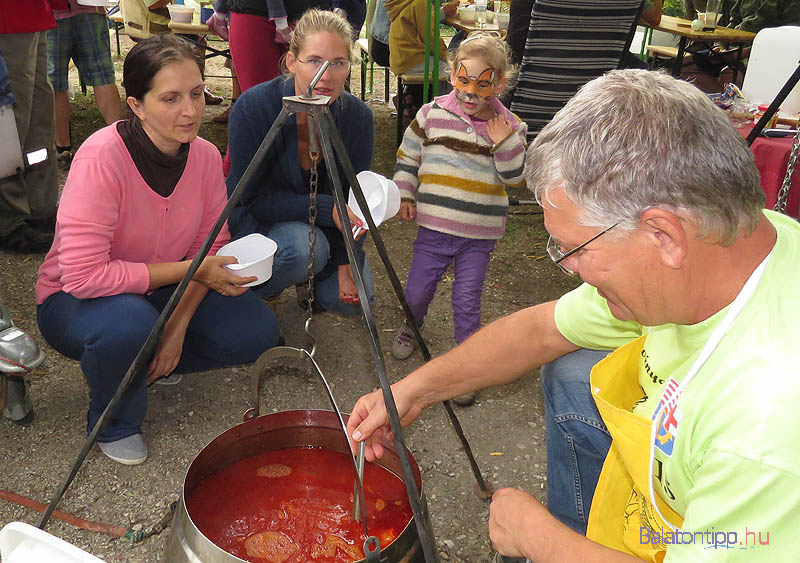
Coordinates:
328 135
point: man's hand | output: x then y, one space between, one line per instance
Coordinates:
370 422
508 513
499 129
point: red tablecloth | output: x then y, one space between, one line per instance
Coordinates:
772 156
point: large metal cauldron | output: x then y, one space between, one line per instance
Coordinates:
283 429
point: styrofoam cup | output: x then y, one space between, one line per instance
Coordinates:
382 195
255 254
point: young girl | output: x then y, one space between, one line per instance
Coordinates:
455 160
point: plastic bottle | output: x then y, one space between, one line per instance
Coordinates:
480 12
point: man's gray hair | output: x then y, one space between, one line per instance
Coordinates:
635 139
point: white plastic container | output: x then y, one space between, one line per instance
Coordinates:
94 2
502 20
255 254
180 14
382 195
23 543
775 55
466 13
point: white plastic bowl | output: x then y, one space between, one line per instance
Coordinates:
23 543
382 195
180 14
255 254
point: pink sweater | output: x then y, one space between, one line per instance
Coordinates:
111 224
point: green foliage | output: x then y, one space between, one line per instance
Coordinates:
673 8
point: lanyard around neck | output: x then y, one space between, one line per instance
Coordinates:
711 344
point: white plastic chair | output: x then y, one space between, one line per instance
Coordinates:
775 56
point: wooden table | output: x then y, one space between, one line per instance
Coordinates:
468 27
198 29
683 29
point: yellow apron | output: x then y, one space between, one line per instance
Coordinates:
621 504
623 516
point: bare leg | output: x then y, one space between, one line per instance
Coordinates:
107 99
62 119
237 90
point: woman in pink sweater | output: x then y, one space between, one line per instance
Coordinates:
141 196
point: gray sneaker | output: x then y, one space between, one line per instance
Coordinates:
404 343
127 451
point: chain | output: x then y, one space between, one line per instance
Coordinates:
783 193
312 231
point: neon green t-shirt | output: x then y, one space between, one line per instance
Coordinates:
732 465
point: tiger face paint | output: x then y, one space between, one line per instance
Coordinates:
474 84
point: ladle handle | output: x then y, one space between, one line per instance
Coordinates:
362 446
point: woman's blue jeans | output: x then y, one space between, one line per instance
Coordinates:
577 438
106 333
290 267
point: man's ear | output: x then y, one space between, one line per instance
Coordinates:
668 235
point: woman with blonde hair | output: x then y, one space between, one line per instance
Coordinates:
276 202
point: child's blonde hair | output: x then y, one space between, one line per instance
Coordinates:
488 46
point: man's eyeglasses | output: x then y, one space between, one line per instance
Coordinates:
336 65
558 255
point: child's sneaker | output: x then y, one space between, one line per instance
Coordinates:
404 343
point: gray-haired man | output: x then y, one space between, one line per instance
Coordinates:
677 445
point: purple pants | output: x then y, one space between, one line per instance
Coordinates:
433 252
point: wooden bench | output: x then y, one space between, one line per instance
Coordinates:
668 53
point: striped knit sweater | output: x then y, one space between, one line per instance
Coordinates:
448 166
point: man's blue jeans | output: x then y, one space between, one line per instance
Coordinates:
106 333
290 267
577 438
